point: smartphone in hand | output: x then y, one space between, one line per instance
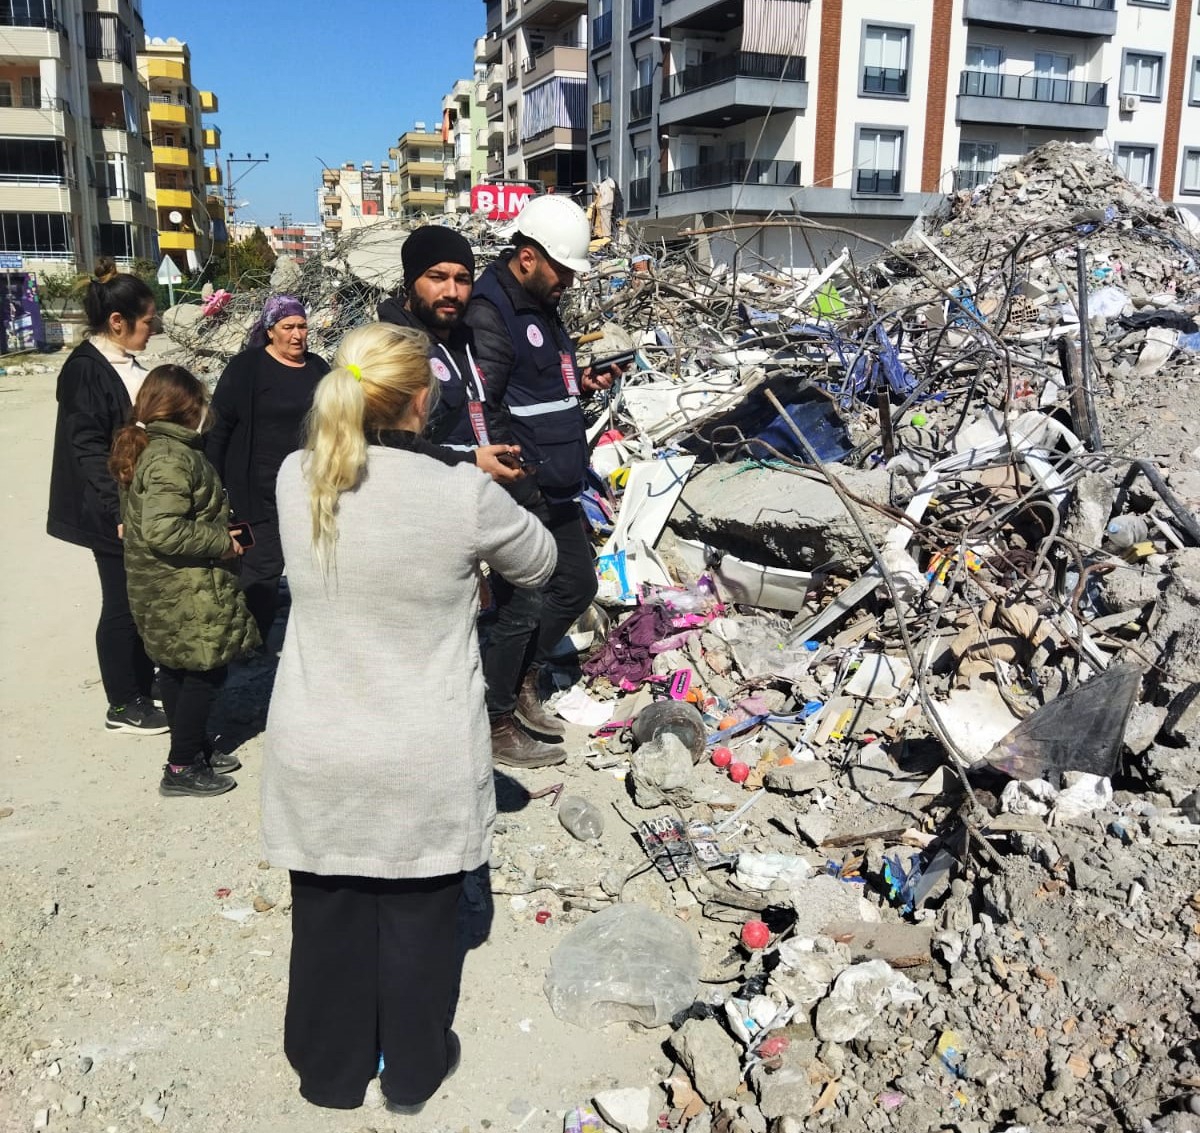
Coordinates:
242 535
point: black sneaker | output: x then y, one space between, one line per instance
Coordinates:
224 761
195 779
138 716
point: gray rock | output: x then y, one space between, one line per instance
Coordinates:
796 778
701 1123
709 1056
152 1109
626 1109
786 1092
73 1106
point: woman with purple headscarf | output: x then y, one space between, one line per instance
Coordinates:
258 408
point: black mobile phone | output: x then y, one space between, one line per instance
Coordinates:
242 534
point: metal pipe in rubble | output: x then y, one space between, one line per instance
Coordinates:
1094 443
1186 520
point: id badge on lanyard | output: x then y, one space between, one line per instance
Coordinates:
567 366
478 421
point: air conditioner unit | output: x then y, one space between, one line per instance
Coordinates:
1129 103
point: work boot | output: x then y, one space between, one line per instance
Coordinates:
532 713
512 746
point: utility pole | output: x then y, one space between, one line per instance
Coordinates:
231 197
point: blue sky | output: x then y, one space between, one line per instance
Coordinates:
302 79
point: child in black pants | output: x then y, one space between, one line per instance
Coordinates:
179 552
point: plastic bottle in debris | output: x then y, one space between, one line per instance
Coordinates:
683 720
1127 530
580 817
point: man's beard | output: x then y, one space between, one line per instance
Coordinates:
433 317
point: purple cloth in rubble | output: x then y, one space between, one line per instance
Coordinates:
626 654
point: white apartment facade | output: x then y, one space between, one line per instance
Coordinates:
858 115
535 54
74 149
350 197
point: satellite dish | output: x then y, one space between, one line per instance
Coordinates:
175 216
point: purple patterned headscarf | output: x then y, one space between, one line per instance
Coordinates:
275 308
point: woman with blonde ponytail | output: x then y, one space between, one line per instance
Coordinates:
377 775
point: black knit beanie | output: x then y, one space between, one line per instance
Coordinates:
434 244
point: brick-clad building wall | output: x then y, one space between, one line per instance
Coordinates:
935 102
828 60
1174 96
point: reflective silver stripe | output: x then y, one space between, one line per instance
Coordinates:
459 448
540 408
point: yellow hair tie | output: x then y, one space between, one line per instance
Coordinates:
355 371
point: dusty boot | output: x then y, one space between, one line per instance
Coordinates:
532 713
514 747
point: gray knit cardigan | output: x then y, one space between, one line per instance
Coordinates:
378 758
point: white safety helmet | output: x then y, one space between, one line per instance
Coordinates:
561 229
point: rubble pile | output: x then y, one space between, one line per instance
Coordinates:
921 548
889 813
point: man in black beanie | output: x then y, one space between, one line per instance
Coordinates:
439 272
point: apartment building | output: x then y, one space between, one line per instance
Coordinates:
861 115
73 141
427 171
183 189
299 242
537 80
464 127
351 198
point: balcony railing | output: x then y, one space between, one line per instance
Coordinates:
61 180
641 101
602 31
1033 88
1099 5
39 104
739 64
968 178
639 193
878 182
885 80
29 19
601 116
736 171
642 14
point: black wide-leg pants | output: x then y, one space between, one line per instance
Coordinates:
374 969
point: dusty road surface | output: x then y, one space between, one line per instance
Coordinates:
133 993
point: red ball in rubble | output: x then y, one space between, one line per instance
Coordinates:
722 757
739 772
755 935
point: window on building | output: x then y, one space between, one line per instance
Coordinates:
35 233
878 161
641 161
603 167
885 61
1141 74
981 76
1194 82
1052 76
976 164
1189 182
1137 163
27 13
116 240
35 160
31 90
5 93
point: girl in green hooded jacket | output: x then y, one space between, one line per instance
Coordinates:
179 562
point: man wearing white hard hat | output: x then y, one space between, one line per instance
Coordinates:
533 392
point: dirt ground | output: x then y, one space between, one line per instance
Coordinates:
128 983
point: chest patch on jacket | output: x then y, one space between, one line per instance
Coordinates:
534 335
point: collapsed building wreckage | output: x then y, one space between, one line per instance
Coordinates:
920 535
